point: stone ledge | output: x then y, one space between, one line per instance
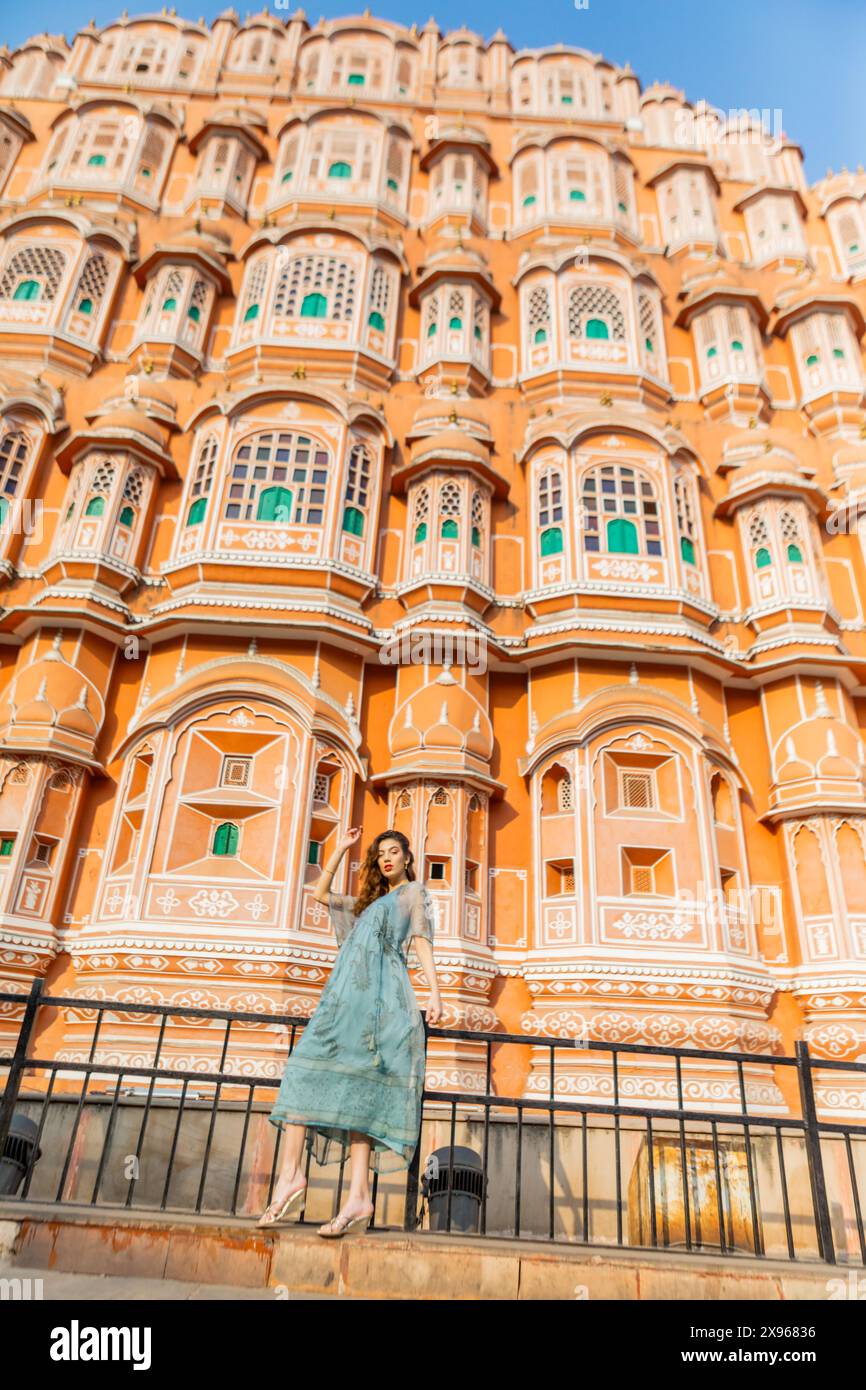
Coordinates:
385 1264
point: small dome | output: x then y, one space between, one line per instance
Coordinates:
441 716
451 443
129 419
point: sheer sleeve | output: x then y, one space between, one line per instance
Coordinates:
422 914
341 908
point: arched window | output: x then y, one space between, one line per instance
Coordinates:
275 504
35 272
278 477
357 490
759 537
225 840
202 481
686 521
316 287
95 507
620 512
449 511
419 520
594 311
340 170
14 448
539 314
550 511
314 306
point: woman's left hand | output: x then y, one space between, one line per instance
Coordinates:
434 1009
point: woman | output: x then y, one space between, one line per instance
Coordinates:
355 1078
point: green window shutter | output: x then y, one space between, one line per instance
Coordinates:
252 313
455 323
196 511
4 508
476 536
7 843
27 289
648 344
687 550
353 521
313 852
393 185
551 541
529 200
420 532
287 175
712 352
375 320
86 306
275 504
95 507
449 529
127 516
762 558
194 313
96 160
622 207
540 335
622 537
340 170
577 195
356 79
478 333
597 328
795 554
314 306
837 352
431 331
225 840
736 345
169 304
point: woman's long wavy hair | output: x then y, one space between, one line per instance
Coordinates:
373 882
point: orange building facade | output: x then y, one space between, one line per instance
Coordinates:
397 429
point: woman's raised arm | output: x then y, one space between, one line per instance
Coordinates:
323 887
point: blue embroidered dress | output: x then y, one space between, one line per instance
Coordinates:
359 1064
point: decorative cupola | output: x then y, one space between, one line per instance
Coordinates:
15 132
114 470
455 297
459 167
778 507
824 324
774 216
842 204
727 317
449 484
228 146
440 729
183 279
687 190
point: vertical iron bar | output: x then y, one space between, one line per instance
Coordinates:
789 1234
19 1058
856 1193
720 1206
618 1142
683 1156
812 1134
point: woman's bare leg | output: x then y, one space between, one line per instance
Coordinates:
359 1201
291 1175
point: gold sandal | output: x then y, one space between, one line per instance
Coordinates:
267 1219
340 1224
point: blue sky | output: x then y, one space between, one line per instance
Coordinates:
802 57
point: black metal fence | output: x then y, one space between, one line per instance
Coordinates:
727 1179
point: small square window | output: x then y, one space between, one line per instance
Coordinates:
236 772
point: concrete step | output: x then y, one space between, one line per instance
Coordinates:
293 1259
